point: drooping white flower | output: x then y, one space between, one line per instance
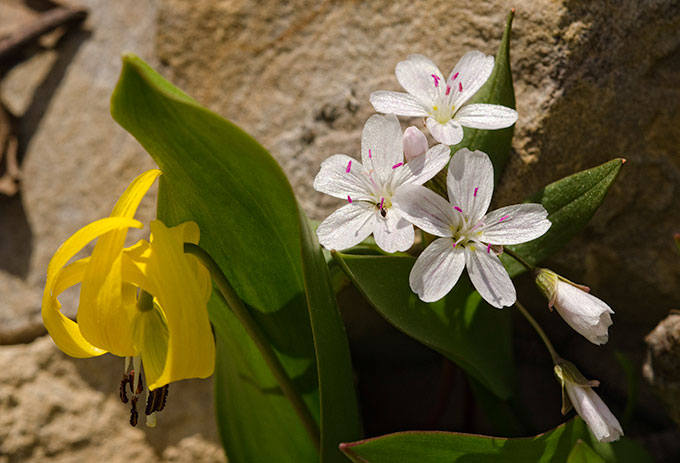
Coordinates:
415 143
469 236
368 187
442 101
585 313
579 393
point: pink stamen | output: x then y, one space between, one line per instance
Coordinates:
369 154
503 218
488 249
349 167
349 200
436 80
458 209
460 86
382 202
397 165
455 244
455 76
448 90
473 194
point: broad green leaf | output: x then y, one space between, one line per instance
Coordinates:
582 453
219 177
570 202
435 447
498 90
461 326
340 419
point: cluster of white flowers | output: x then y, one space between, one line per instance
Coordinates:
386 198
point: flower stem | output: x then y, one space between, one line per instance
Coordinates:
519 259
544 337
257 335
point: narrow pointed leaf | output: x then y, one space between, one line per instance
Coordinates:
571 202
340 419
435 447
461 326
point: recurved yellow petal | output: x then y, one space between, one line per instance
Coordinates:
66 333
150 331
170 279
190 233
104 317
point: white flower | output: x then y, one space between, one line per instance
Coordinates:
587 403
369 186
470 237
415 143
585 313
441 100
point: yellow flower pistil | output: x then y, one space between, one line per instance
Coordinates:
147 302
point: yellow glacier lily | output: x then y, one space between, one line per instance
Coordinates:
147 302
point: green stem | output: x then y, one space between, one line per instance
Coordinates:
544 337
519 259
255 332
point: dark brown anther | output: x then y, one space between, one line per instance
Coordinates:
156 400
134 416
140 386
123 393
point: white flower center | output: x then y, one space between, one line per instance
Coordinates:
444 109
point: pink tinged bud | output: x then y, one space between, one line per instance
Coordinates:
455 76
448 90
349 167
601 421
505 217
349 200
399 164
415 143
586 314
473 194
458 209
436 80
460 86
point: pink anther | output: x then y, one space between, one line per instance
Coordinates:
488 249
436 80
458 209
503 218
455 76
349 167
382 202
448 90
460 86
349 200
473 194
397 165
369 154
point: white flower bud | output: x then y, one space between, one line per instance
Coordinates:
585 313
415 143
579 393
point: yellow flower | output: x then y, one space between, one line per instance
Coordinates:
148 301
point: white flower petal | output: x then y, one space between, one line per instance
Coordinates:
348 226
425 209
401 104
416 73
437 270
449 133
381 145
342 176
486 116
585 313
595 412
422 168
471 72
415 143
490 278
515 224
393 233
470 183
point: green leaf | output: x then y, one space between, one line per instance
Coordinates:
340 419
219 177
582 453
435 447
570 202
461 326
498 90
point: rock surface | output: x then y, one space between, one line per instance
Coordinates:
593 81
662 366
